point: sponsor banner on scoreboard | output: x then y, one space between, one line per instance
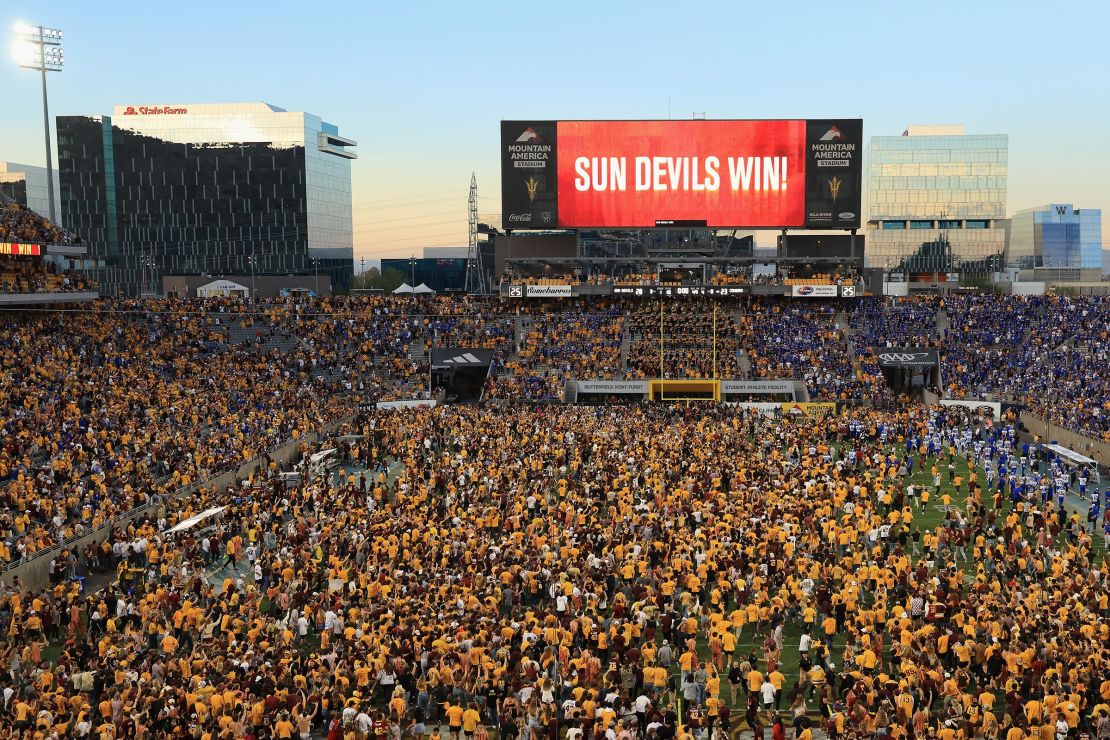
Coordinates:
911 357
637 387
812 410
22 250
717 173
528 160
834 173
756 386
813 291
549 291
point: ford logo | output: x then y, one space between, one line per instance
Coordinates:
846 216
805 290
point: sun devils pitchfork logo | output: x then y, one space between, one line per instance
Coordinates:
834 187
532 185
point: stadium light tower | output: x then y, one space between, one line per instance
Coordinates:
40 49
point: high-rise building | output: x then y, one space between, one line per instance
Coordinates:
207 189
937 200
1056 236
26 185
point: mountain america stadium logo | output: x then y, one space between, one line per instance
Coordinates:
833 134
529 135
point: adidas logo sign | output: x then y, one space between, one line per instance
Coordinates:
465 359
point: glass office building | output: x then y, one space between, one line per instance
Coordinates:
207 189
937 200
27 185
1056 236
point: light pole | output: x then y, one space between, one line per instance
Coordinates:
254 283
148 263
316 267
412 273
49 57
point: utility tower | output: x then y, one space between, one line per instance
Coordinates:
475 275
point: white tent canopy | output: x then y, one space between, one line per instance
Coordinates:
222 289
421 289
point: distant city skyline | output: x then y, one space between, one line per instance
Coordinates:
423 87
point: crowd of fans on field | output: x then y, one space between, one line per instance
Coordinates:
631 572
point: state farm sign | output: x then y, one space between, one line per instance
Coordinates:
153 110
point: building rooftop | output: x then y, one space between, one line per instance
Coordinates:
935 129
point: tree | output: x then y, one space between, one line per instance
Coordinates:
391 280
374 278
369 279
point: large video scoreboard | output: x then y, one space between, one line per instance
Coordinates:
802 174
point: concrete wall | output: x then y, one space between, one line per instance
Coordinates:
267 286
1084 445
35 572
19 299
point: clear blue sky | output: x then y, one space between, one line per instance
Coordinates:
422 85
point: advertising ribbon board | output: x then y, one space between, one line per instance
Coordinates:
549 291
813 291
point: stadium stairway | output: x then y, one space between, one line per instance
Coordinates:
942 323
626 345
745 364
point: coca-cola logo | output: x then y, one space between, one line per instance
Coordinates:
154 110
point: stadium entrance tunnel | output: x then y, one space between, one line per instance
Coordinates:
460 372
909 370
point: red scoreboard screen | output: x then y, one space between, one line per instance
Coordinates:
644 174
